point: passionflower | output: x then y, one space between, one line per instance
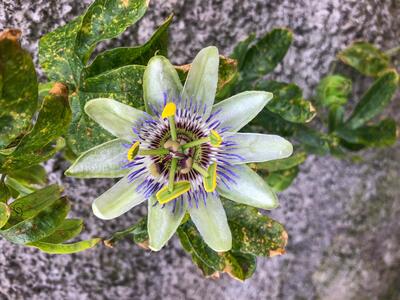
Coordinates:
182 153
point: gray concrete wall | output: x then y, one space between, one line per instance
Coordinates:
342 217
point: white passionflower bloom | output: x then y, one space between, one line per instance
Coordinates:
182 153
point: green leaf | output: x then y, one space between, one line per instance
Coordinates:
313 141
238 265
18 88
119 57
65 248
68 229
21 188
5 192
380 135
138 233
253 232
281 164
375 99
106 19
275 124
123 84
288 101
57 56
32 175
240 50
333 90
40 226
37 145
30 205
44 90
262 57
335 117
365 58
280 180
5 213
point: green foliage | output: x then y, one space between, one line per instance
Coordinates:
123 84
288 101
140 55
39 220
65 248
281 164
375 99
105 20
365 58
282 179
261 57
382 134
138 234
253 232
333 90
238 265
115 73
253 235
40 143
18 88
4 214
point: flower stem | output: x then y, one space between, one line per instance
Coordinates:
200 169
159 151
195 143
171 179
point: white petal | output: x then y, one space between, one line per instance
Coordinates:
249 189
163 222
117 200
115 117
240 109
211 221
160 77
103 161
202 79
255 147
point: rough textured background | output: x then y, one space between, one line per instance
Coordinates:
342 217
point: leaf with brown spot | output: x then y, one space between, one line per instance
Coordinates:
18 88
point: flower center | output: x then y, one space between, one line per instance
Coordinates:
179 149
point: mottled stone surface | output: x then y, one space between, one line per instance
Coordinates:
342 218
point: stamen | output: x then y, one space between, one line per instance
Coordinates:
133 151
215 138
169 112
210 181
165 195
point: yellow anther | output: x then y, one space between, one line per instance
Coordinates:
169 110
215 138
210 182
165 195
133 151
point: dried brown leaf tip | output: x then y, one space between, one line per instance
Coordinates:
12 34
59 89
